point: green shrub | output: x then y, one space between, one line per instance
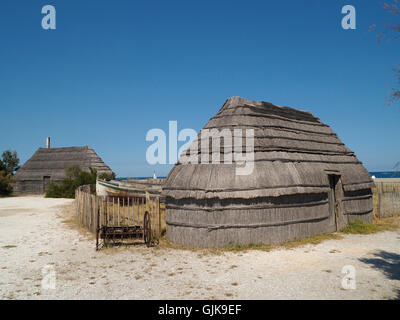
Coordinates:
75 178
9 162
107 177
6 187
8 165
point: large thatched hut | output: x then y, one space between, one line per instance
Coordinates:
49 165
305 181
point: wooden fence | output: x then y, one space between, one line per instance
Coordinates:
386 198
117 211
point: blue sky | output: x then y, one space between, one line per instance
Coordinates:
112 70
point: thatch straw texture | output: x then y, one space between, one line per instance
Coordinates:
52 163
287 196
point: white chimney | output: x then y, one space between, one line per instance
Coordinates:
48 142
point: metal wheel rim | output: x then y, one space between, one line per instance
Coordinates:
147 229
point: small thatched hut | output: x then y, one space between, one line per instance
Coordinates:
305 182
49 164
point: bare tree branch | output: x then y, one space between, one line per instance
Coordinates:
394 30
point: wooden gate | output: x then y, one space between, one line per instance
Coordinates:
115 219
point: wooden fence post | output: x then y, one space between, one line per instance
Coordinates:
159 217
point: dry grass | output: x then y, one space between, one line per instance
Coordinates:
71 220
379 225
388 224
310 240
165 244
359 227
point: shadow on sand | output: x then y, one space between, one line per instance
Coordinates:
388 263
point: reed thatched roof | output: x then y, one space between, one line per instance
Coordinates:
294 153
54 161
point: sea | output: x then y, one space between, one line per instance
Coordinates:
380 174
136 178
386 174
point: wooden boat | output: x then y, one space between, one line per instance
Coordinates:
129 188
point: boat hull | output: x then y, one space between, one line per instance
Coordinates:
124 189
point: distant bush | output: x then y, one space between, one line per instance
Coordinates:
74 178
9 162
8 165
6 181
107 177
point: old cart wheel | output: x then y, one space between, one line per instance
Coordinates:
147 229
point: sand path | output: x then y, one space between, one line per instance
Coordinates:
34 238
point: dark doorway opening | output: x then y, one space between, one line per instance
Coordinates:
46 182
333 198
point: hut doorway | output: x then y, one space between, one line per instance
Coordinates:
335 205
46 182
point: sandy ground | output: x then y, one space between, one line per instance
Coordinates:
37 246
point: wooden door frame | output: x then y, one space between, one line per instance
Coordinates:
336 191
333 207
